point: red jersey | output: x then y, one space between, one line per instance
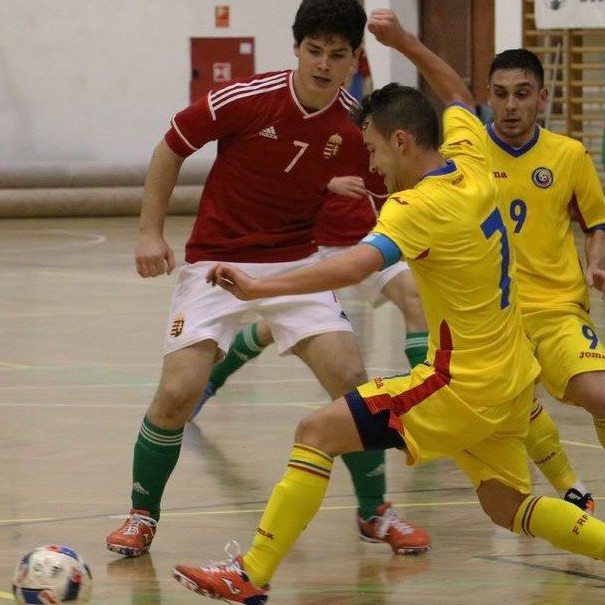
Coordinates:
344 221
274 160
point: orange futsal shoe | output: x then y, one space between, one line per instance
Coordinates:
583 501
134 537
224 580
401 536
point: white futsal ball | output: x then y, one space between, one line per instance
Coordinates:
52 574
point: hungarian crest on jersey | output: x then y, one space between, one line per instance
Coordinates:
332 147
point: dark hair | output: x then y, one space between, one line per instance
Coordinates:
395 107
344 18
519 58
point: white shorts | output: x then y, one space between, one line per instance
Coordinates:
370 289
202 312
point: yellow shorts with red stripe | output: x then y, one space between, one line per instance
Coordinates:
566 344
486 441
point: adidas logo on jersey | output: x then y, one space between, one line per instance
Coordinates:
268 133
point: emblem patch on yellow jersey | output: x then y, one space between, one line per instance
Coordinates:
332 146
177 326
542 177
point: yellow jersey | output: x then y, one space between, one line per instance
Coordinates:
450 230
542 186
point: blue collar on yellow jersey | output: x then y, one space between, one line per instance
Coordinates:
514 151
447 169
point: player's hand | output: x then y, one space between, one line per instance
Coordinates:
153 256
595 278
385 26
232 279
349 186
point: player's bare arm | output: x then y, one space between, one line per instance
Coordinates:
153 255
595 259
333 273
350 186
441 77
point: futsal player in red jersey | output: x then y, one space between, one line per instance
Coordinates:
345 216
282 137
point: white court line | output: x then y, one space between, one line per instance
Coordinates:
54 387
245 511
80 404
9 366
71 313
4 365
78 366
136 385
232 404
94 275
581 444
93 240
16 404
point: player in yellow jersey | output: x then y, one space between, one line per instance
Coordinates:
471 399
545 179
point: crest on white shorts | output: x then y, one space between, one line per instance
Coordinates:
178 324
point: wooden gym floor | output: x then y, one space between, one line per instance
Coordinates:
80 352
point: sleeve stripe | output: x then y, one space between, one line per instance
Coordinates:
250 93
386 246
348 106
183 138
234 89
347 99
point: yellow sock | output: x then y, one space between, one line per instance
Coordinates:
545 449
294 502
599 425
562 524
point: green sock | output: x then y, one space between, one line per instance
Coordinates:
416 346
367 472
155 455
245 346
